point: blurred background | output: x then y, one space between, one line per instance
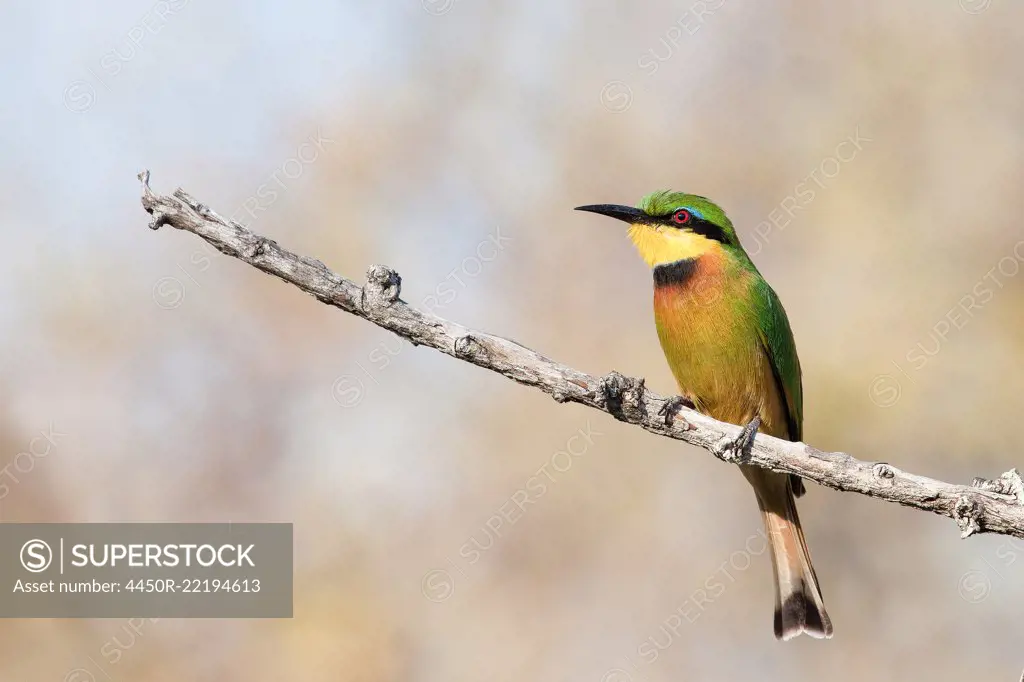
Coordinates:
870 155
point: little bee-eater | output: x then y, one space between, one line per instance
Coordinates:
730 347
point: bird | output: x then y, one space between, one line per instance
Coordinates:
731 350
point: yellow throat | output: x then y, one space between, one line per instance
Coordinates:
660 244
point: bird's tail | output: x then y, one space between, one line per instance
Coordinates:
799 607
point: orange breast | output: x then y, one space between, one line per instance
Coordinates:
709 332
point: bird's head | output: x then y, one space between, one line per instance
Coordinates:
671 226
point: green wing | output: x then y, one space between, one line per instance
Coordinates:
777 341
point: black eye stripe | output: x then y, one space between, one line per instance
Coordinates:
708 229
696 225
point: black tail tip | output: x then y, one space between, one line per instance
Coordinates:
799 614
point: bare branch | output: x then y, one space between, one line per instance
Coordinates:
985 506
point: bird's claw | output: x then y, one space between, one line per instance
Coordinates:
732 449
672 406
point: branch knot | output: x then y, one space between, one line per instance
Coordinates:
159 219
966 514
1010 483
469 348
623 395
883 471
382 288
261 247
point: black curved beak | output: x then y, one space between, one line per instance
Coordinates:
624 213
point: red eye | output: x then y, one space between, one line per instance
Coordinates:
681 217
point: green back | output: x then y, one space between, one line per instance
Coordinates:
777 340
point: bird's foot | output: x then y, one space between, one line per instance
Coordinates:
734 449
672 406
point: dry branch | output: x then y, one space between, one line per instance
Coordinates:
993 506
